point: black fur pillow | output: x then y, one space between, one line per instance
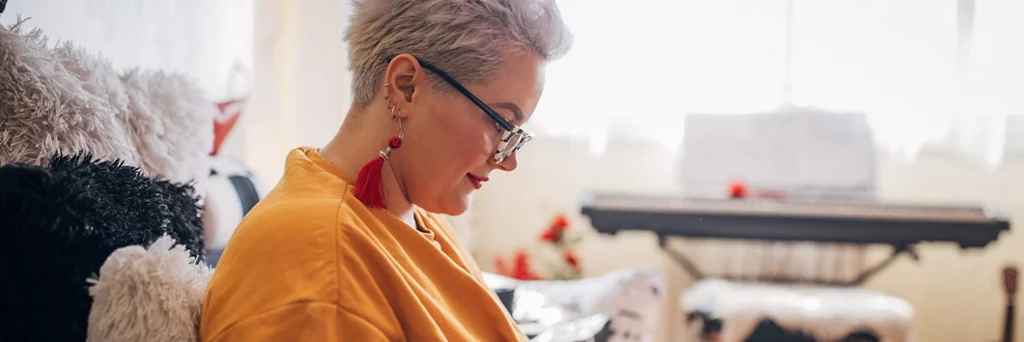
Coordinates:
58 224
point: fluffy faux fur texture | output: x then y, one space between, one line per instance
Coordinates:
66 100
148 295
60 222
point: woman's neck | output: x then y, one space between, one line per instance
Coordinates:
359 140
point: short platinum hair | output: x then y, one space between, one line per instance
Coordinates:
468 39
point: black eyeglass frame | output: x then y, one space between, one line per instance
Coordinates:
510 131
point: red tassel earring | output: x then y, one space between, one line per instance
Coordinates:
369 187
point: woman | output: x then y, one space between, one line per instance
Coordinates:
348 246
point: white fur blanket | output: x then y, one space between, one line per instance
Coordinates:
64 99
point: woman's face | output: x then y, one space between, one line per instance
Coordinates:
449 142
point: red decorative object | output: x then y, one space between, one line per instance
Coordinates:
395 142
227 116
737 189
368 184
369 187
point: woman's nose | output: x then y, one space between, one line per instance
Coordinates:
509 163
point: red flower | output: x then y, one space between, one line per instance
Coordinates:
571 258
560 223
522 260
554 232
499 265
520 269
551 236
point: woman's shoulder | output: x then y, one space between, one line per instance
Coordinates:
284 252
295 236
299 217
301 220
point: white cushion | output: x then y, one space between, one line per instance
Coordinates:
152 294
826 313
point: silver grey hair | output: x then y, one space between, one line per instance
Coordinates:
468 39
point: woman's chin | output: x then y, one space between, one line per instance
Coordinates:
453 210
459 207
453 206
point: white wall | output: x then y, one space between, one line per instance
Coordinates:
301 93
957 294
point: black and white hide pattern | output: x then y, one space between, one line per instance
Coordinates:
232 191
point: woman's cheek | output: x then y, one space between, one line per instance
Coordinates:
488 144
478 145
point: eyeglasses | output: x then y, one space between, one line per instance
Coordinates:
512 137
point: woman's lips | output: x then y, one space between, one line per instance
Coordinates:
477 182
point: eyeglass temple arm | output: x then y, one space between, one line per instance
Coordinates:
487 109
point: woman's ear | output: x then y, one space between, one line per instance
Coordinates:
407 82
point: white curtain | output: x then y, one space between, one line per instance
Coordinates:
928 73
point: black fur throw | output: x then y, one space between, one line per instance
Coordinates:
59 223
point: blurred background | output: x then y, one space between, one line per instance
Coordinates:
939 84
